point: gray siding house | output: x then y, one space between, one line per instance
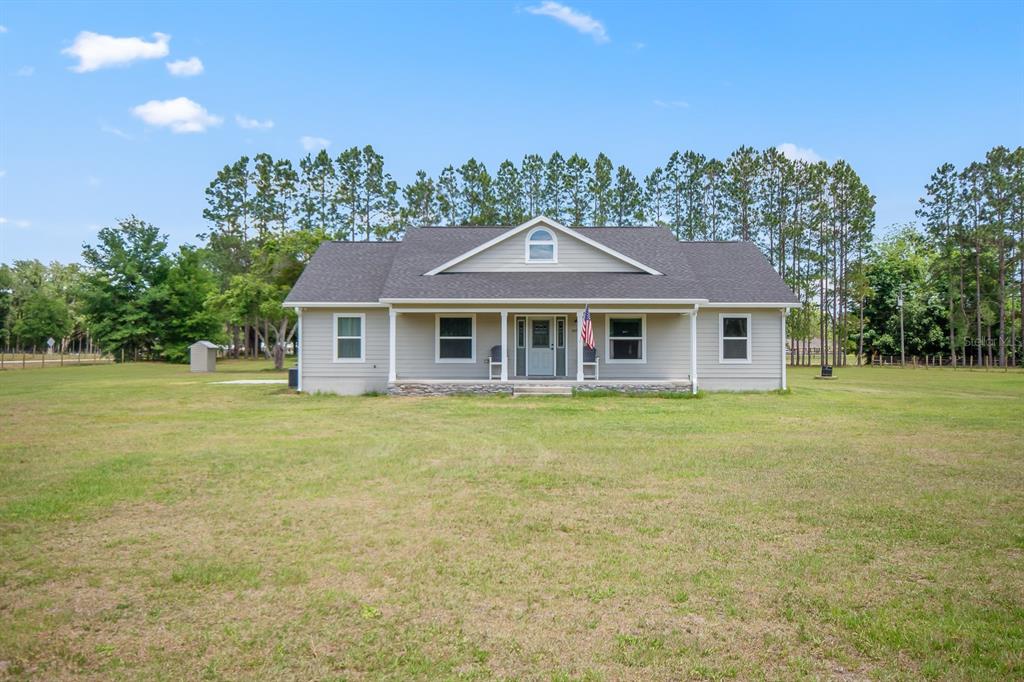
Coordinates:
486 309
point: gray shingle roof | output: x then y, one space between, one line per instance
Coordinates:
721 272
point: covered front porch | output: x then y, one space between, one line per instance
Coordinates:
492 349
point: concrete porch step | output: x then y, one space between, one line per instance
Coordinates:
541 390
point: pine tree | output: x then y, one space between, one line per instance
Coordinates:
600 188
532 171
578 179
554 188
741 169
478 194
420 202
508 191
628 208
450 200
656 195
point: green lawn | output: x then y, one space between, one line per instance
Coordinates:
155 526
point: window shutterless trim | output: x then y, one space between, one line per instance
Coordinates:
608 338
722 338
362 337
552 242
471 337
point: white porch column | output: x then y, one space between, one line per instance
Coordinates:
693 348
504 345
392 336
579 345
782 332
298 349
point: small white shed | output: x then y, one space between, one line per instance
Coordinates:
203 356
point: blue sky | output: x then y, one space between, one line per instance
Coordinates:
895 89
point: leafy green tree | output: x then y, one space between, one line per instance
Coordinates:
121 293
41 317
904 263
184 317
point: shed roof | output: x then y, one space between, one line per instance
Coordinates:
204 344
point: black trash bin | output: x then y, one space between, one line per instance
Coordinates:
293 378
826 371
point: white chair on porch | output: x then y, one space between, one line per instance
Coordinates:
494 363
590 359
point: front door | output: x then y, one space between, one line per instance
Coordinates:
541 356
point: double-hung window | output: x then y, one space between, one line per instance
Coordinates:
456 341
733 338
626 342
350 337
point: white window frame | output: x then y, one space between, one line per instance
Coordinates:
553 242
437 338
361 337
608 338
749 339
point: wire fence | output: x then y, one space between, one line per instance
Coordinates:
29 360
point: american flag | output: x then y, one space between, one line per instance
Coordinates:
587 330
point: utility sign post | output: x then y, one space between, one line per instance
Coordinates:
49 343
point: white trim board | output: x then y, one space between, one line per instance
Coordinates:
721 340
542 220
553 243
609 360
437 339
362 338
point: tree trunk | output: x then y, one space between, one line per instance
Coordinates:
977 297
1002 303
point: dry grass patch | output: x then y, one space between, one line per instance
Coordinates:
153 526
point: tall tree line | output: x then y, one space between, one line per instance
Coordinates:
813 222
975 218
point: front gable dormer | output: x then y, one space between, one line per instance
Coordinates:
542 245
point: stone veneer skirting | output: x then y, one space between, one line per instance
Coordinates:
410 388
495 387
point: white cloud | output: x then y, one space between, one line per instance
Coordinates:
3 172
639 46
794 153
192 66
584 23
252 123
312 144
21 224
115 131
671 104
25 71
92 181
3 29
181 115
95 51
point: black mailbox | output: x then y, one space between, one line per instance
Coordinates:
826 371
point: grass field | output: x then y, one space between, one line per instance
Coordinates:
155 526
